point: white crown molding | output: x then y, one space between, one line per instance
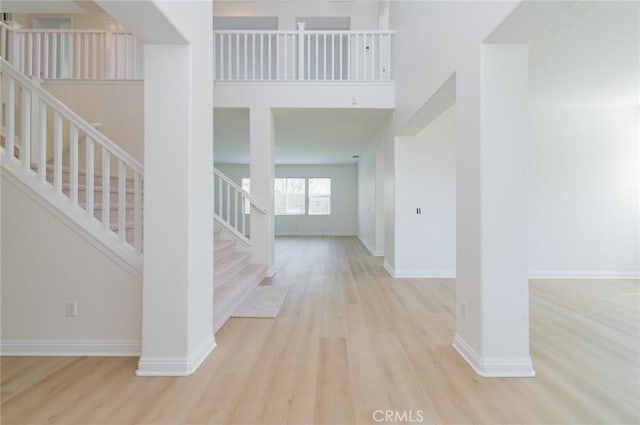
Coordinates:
494 367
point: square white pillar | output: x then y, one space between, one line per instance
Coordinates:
177 325
262 173
492 289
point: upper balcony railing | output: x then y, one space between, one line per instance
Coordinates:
72 54
302 55
355 56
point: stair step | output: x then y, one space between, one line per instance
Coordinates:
222 248
224 268
227 297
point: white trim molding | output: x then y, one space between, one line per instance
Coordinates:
425 274
176 366
70 348
372 251
494 367
584 274
388 268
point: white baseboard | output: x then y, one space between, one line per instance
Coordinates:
388 268
317 234
425 274
176 366
70 348
582 274
503 367
372 251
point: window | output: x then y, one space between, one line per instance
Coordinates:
246 186
290 197
319 196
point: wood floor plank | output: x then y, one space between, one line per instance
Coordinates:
349 341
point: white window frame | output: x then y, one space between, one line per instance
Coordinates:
310 196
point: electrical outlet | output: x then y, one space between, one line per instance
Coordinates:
463 309
72 308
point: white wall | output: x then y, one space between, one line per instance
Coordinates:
427 53
343 219
364 14
117 105
584 218
427 180
44 264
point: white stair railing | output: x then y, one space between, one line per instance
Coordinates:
92 162
302 55
232 206
72 54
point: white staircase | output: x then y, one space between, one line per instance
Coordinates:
49 151
234 275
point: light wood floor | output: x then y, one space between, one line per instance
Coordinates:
350 340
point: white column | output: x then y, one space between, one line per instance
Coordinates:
177 328
262 173
492 291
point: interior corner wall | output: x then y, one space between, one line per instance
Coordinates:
584 216
45 264
367 168
426 242
343 220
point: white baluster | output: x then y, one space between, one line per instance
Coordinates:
55 59
122 201
78 61
246 62
45 56
262 73
94 56
324 54
308 54
286 54
89 175
37 56
228 217
253 56
333 57
106 188
270 41
235 209
341 74
10 118
30 71
349 53
137 208
219 196
86 55
73 164
237 54
25 149
229 56
42 145
301 26
317 36
57 151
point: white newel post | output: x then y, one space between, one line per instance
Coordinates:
301 26
262 173
492 291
